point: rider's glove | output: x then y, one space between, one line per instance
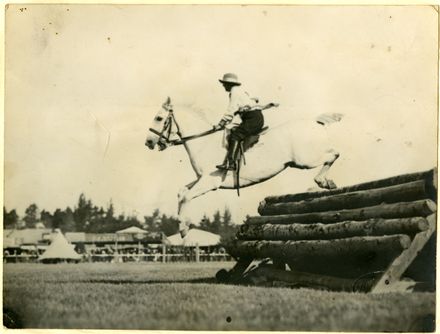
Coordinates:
222 124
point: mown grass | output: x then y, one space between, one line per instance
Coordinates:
185 296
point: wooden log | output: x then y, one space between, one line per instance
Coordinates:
362 261
421 208
309 280
429 176
337 248
399 193
372 227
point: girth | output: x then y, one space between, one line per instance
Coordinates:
245 145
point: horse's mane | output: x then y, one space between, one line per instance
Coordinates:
192 110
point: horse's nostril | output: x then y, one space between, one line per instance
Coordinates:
149 142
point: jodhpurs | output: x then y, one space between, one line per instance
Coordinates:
252 123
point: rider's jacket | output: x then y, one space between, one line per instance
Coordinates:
239 100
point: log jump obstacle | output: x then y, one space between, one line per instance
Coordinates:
377 236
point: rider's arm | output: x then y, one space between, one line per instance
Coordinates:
235 102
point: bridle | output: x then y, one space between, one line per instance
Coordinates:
167 130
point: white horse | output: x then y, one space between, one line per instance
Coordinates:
301 145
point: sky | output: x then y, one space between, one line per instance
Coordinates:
83 83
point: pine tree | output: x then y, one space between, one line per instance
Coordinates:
227 219
168 225
229 229
216 224
31 216
46 218
151 223
10 219
82 213
64 220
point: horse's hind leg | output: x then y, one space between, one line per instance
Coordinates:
321 179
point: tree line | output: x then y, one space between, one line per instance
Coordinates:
87 217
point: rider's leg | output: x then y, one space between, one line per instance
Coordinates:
252 123
231 155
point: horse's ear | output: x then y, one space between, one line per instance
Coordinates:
168 101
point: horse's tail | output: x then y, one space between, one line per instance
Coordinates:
328 118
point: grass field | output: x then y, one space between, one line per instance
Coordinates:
185 296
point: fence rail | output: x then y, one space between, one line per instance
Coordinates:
178 257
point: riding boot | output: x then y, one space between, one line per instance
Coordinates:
231 156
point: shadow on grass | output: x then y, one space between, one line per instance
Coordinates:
11 319
208 280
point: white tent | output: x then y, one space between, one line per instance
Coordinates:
132 230
60 249
194 237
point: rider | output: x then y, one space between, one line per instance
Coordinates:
243 115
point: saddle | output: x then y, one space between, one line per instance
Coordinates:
250 141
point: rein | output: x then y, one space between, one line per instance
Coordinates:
183 140
164 135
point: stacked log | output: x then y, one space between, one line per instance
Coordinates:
429 176
318 231
270 274
422 208
403 192
342 233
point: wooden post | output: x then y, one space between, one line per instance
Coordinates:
197 253
403 261
164 253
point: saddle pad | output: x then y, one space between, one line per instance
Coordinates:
252 140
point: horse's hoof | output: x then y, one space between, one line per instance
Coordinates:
325 184
183 233
331 184
321 183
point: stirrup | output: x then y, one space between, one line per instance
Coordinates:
227 166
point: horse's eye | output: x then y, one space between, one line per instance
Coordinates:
159 119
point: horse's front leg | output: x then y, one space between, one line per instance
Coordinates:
198 188
182 192
328 160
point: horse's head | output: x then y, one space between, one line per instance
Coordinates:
163 129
